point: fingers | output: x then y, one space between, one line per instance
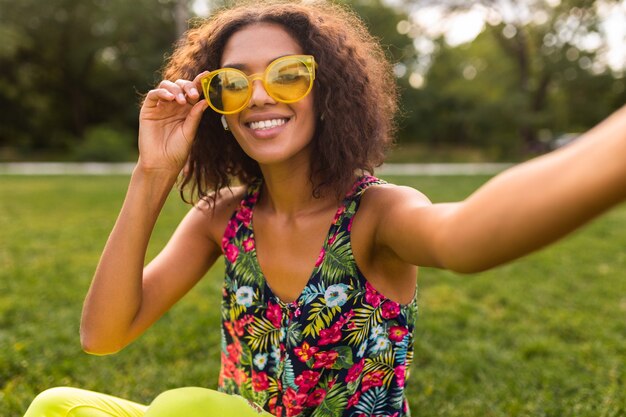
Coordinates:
193 120
181 91
188 92
156 95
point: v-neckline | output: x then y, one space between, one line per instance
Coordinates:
318 264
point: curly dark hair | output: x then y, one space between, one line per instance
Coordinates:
355 92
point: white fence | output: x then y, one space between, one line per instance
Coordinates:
97 168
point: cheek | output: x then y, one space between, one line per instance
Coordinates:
307 110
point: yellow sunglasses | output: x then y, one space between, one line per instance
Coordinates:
287 79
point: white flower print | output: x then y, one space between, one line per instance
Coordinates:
361 351
275 354
335 295
381 344
376 332
260 360
244 296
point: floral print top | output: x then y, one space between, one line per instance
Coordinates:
342 349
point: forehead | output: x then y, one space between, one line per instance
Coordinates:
259 44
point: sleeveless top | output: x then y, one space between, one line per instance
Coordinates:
342 349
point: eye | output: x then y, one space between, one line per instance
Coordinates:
288 78
235 86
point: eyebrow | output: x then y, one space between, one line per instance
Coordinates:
243 67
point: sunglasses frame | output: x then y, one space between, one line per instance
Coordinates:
307 60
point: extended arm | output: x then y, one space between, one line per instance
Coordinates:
518 211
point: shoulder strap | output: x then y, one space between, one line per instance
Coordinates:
352 200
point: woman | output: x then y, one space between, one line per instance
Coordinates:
316 319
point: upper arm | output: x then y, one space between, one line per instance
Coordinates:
191 251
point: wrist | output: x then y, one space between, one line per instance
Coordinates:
148 172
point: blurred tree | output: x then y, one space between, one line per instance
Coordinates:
549 44
70 64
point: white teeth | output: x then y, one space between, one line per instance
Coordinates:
267 124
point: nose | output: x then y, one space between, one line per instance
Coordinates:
259 96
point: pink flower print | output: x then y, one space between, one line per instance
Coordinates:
294 402
228 367
332 239
390 309
320 258
325 359
331 334
350 224
372 379
248 245
229 233
400 372
274 314
234 351
253 198
372 297
232 252
315 398
355 371
354 400
239 325
307 380
240 377
339 212
260 382
244 215
306 352
397 333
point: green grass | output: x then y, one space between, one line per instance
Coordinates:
544 336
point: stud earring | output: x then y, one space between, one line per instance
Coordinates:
224 123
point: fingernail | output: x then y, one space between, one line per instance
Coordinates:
193 91
181 96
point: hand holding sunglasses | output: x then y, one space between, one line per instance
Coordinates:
287 80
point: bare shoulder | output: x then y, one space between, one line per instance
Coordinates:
383 203
212 213
385 197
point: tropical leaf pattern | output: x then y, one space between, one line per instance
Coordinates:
341 349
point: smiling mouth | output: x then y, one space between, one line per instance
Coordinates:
267 124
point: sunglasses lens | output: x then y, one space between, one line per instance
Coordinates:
228 90
289 80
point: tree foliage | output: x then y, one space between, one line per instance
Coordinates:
70 67
548 57
67 65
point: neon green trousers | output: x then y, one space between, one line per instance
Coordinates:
181 402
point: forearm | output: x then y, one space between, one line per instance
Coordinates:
115 296
539 201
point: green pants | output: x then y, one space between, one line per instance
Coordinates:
181 402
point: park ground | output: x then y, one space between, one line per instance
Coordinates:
543 336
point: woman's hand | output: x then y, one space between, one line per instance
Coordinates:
168 121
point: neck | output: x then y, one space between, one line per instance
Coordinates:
287 189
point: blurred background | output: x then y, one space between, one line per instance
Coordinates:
480 80
489 80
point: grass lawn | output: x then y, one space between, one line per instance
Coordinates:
544 336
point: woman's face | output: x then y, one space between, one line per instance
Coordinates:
251 49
